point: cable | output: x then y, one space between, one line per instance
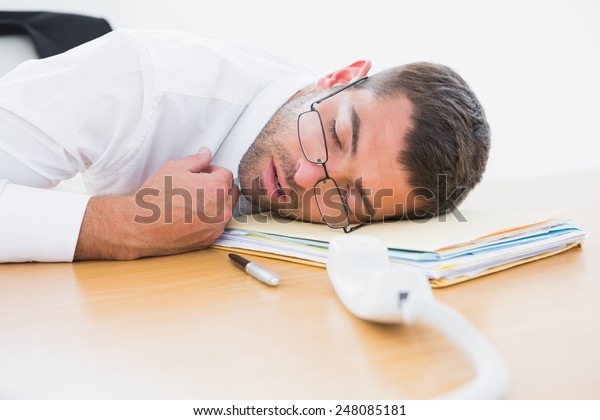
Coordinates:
377 291
491 374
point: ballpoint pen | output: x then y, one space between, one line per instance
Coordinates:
259 273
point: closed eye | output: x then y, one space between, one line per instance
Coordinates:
333 133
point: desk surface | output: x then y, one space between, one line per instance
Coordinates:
193 326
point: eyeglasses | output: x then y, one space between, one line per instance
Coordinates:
332 204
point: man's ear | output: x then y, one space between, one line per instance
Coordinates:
344 75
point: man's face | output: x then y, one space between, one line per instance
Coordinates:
275 174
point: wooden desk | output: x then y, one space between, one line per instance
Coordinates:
193 326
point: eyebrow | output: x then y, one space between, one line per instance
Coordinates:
355 130
355 136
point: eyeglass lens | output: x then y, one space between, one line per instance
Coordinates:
312 139
330 203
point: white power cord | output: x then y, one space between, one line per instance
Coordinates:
491 373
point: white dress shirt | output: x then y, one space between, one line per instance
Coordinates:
113 111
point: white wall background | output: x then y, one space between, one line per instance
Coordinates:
535 64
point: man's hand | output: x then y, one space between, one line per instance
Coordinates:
184 206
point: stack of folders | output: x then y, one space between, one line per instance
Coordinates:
450 248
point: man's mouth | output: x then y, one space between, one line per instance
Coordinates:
279 186
275 190
277 183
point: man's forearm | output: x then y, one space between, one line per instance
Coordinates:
111 230
108 231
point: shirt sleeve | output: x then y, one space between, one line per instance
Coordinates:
58 117
39 224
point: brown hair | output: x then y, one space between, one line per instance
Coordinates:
448 144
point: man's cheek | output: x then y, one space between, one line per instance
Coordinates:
300 206
310 211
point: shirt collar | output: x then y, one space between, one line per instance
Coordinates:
256 115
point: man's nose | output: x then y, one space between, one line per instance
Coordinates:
308 174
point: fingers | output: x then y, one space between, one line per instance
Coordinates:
200 163
221 178
235 194
196 163
191 200
220 172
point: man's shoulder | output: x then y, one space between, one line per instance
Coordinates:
166 37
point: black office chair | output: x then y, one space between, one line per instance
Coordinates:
53 33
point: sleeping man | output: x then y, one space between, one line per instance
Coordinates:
169 135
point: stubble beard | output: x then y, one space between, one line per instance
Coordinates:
271 143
